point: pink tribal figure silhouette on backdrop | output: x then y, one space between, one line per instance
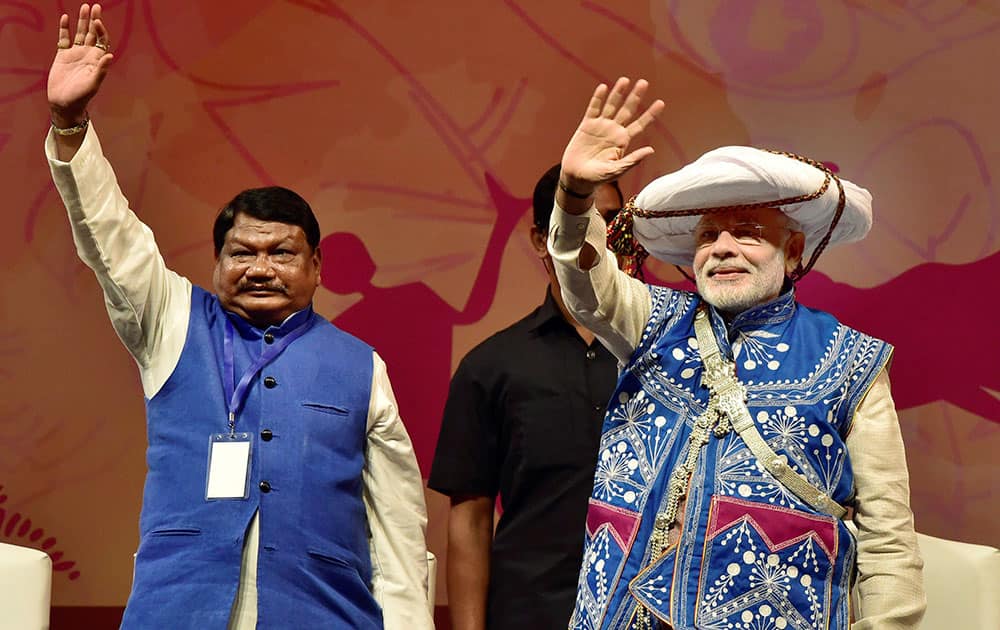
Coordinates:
409 325
416 130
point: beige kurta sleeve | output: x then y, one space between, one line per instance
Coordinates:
148 303
397 516
609 302
890 570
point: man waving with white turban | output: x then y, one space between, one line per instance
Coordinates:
745 427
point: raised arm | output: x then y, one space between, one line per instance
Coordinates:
148 304
607 301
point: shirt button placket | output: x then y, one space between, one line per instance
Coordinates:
270 383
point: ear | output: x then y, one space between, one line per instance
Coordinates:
794 247
317 258
539 241
217 275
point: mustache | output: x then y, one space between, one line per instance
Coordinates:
272 287
710 271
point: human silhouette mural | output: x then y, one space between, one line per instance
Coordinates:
410 325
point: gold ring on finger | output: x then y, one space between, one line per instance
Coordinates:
61 46
105 46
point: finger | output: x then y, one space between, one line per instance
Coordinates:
636 156
102 32
82 25
91 38
646 118
64 38
96 15
632 102
104 63
616 98
596 101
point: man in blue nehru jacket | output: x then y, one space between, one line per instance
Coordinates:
282 490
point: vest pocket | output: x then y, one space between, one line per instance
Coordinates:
333 410
326 557
344 595
175 531
336 563
163 546
766 565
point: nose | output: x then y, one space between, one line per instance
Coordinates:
260 268
724 246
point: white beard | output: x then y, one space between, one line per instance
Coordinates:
758 285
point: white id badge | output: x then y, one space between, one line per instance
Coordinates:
228 466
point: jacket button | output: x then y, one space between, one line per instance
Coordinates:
266 435
591 354
264 486
268 338
270 382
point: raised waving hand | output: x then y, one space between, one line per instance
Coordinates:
598 151
80 65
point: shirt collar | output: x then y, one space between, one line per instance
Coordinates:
249 331
777 311
545 313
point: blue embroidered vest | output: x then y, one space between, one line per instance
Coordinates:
750 554
314 564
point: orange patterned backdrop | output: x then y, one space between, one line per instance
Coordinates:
417 130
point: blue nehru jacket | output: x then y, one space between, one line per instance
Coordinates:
306 412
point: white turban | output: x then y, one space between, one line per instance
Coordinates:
739 176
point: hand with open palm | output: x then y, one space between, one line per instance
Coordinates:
597 152
79 67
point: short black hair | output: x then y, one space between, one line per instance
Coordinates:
271 203
544 196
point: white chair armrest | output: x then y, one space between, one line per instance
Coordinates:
25 588
962 582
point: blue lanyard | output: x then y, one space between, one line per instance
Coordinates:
237 393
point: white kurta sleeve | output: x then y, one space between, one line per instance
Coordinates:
397 516
609 302
890 577
149 305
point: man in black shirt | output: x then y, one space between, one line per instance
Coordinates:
523 422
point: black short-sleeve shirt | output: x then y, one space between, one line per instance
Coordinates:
523 422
